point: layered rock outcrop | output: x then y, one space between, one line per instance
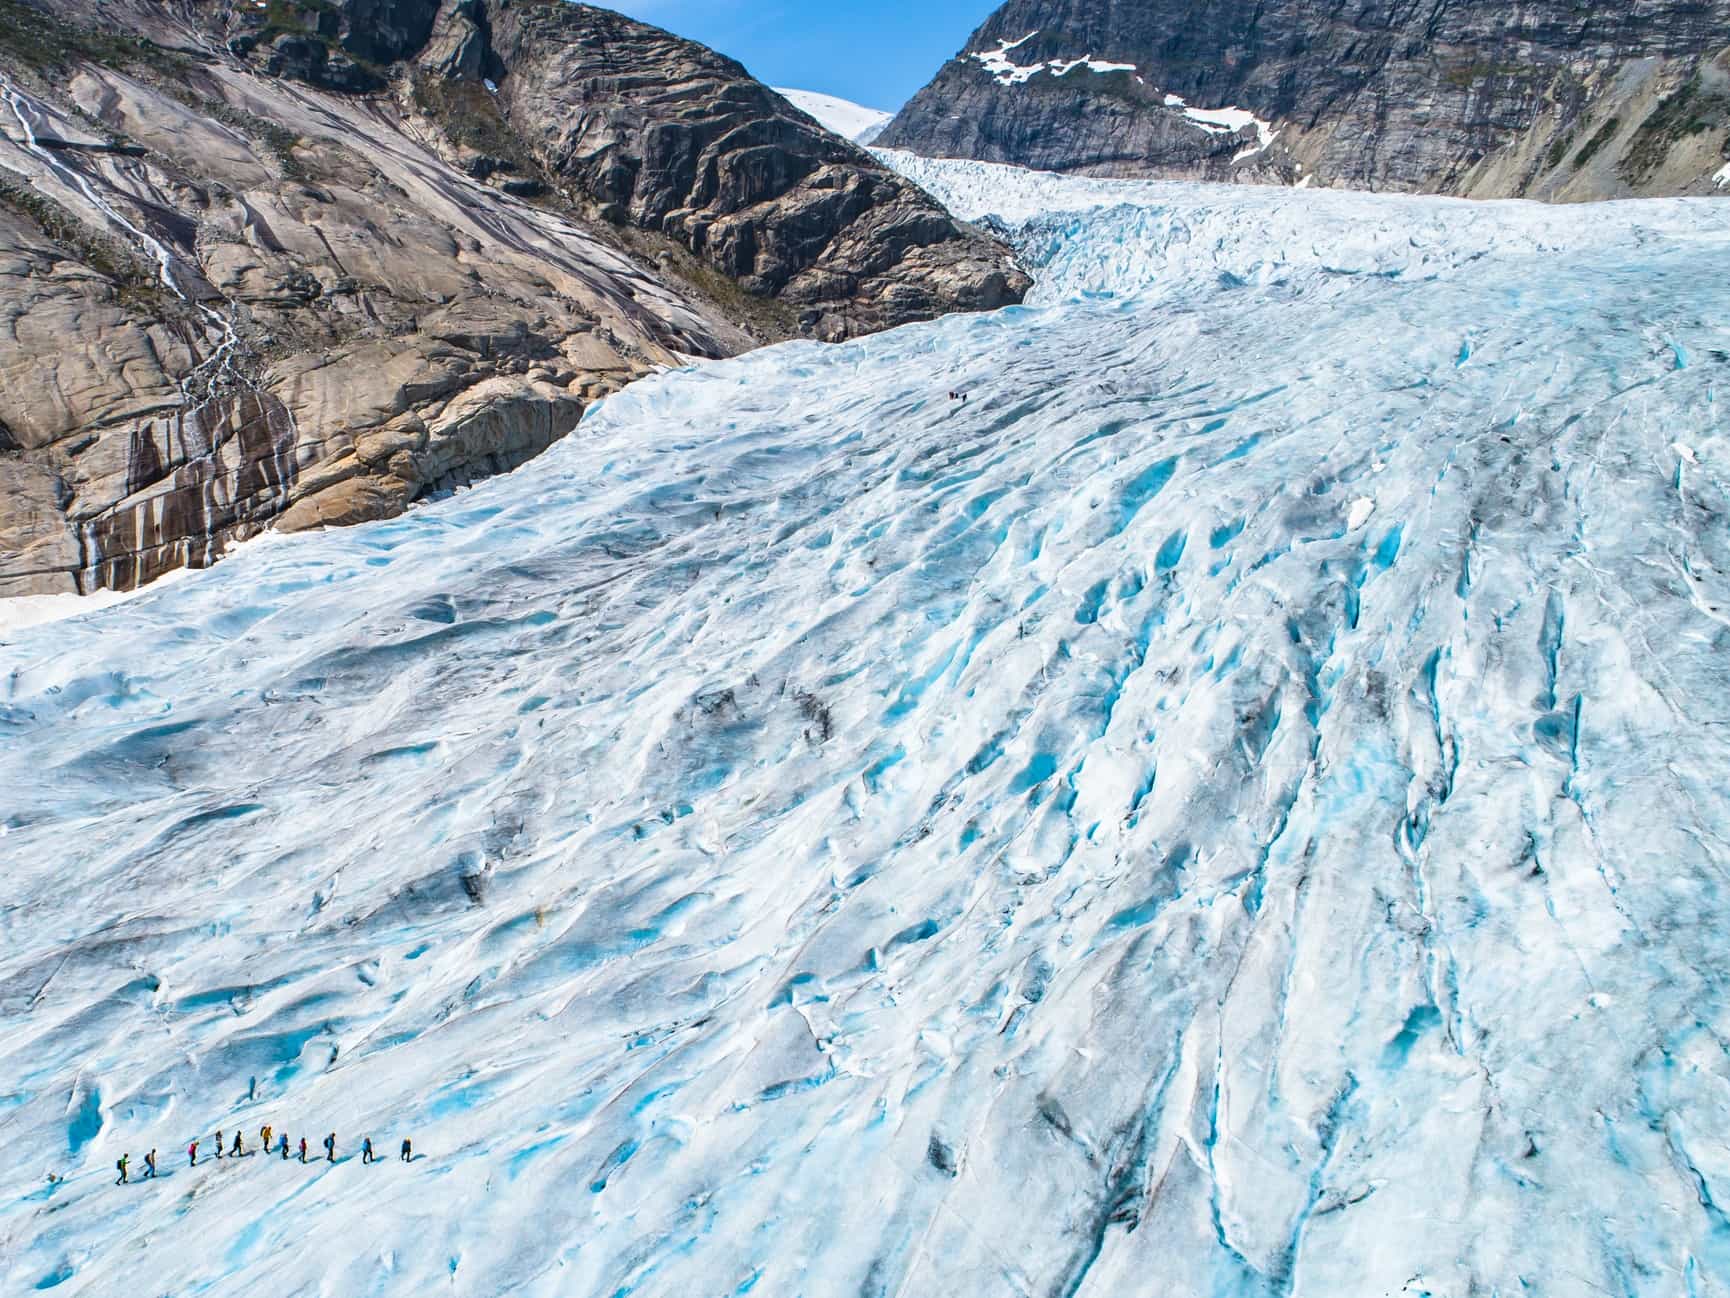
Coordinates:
1547 99
675 138
244 287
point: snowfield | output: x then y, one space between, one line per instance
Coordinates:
1234 807
847 119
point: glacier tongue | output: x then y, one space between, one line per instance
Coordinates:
806 834
1123 238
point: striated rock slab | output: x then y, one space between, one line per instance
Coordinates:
302 267
1547 99
333 278
687 144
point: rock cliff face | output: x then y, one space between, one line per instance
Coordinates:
1550 99
675 138
302 264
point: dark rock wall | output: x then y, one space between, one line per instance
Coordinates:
1479 97
675 139
684 143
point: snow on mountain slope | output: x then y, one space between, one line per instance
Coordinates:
1233 807
849 120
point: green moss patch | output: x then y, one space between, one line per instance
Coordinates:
1690 110
37 41
1603 136
135 281
1465 75
470 118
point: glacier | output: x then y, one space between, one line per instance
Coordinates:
845 118
1233 806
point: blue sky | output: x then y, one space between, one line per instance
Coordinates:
874 52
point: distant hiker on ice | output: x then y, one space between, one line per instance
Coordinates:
330 1148
264 1137
407 1155
366 1150
149 1167
239 1149
283 1147
192 1154
219 1144
121 1164
303 1149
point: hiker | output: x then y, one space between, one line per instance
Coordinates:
407 1156
264 1135
303 1149
192 1154
219 1144
121 1164
330 1148
239 1150
149 1167
284 1147
366 1150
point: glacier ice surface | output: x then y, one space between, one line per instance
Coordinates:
1234 807
845 118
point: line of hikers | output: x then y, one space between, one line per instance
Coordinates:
239 1150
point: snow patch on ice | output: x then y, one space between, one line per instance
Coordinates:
1359 513
18 612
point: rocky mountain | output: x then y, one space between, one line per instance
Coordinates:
294 263
1548 99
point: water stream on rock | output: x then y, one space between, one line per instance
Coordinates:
215 397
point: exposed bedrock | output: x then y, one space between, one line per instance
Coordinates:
684 142
345 323
303 265
1549 99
